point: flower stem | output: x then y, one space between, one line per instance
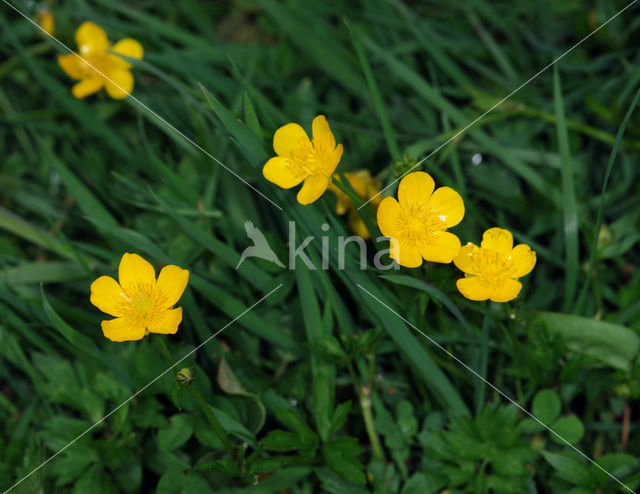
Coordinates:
364 397
484 357
204 406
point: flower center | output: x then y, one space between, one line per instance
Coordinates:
308 159
491 265
142 305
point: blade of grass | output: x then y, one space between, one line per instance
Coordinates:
569 211
387 129
605 182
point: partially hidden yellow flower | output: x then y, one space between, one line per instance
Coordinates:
492 270
139 303
301 159
367 188
417 222
46 21
114 71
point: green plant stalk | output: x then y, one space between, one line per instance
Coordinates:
484 357
206 409
364 397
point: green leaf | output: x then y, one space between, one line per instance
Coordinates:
95 481
569 428
569 468
417 484
609 343
230 384
546 406
282 441
177 433
180 480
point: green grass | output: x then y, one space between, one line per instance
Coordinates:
321 386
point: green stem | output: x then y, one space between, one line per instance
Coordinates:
484 357
364 397
204 406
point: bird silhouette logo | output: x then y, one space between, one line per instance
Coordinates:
260 247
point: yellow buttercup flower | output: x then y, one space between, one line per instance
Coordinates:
139 303
492 270
300 158
46 21
366 187
418 220
93 46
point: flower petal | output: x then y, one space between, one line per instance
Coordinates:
87 86
506 291
109 297
289 138
121 83
474 288
330 165
73 66
91 38
415 189
278 171
172 281
129 48
322 135
165 322
523 259
442 247
389 217
134 274
123 329
463 259
313 187
447 205
498 239
405 253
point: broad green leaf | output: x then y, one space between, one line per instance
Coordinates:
546 406
611 344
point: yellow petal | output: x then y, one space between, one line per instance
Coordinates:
87 86
330 165
498 239
415 189
172 281
129 48
109 297
442 247
389 217
46 21
165 322
289 138
91 38
120 84
447 205
313 187
279 171
72 65
123 329
136 274
523 259
357 225
463 259
506 291
322 135
405 253
474 288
